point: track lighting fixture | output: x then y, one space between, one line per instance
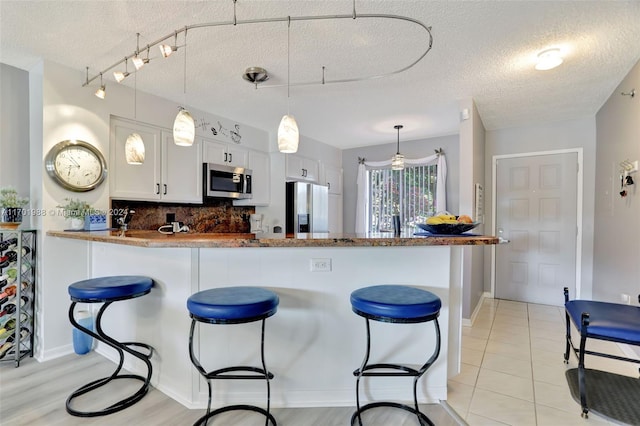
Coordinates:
119 75
397 161
167 50
101 92
288 132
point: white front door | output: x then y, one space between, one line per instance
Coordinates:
536 210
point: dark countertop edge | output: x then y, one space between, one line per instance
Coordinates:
328 241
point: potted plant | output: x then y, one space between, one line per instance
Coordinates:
75 211
11 205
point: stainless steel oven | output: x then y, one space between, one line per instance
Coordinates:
226 181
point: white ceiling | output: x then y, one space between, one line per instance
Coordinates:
483 50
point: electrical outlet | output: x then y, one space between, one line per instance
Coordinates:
626 298
321 265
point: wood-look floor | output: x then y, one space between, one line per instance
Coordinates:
35 393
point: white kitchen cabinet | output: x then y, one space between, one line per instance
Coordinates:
333 179
259 164
181 171
335 213
302 169
169 173
221 153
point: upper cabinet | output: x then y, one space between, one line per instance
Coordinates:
169 173
221 153
302 169
260 166
333 179
181 171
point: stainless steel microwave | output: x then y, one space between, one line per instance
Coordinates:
226 181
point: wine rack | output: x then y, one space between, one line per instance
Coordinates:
17 294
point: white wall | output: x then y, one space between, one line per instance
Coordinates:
616 266
471 166
14 128
580 133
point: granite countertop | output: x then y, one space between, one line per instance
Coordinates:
143 238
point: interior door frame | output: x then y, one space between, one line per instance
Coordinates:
580 177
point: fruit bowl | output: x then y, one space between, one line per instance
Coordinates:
448 228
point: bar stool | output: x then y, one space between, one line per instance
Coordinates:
108 290
394 304
233 305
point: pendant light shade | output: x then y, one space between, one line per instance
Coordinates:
397 161
184 129
288 135
134 149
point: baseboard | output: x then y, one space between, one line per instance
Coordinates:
54 353
468 322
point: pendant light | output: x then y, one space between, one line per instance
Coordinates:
288 134
184 127
134 146
397 161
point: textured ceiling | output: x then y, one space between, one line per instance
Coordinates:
483 50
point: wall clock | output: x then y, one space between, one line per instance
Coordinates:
76 165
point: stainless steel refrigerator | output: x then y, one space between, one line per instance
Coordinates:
307 208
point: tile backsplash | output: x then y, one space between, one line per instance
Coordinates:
216 215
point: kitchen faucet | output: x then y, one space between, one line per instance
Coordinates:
124 220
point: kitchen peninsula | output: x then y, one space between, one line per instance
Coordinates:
314 342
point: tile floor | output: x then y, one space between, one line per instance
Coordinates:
513 371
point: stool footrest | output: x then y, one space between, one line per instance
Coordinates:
424 420
222 373
406 371
203 420
149 348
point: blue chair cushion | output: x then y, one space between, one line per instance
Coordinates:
608 321
105 289
395 303
233 304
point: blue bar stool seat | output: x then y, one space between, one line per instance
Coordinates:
107 290
233 305
394 304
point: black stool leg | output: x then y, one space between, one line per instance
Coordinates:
368 370
222 374
121 348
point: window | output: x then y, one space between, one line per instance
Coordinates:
411 193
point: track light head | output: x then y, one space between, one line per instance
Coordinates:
139 62
101 92
119 75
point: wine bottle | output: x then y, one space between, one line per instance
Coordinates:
7 318
7 329
3 280
7 243
13 254
10 342
12 289
11 307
